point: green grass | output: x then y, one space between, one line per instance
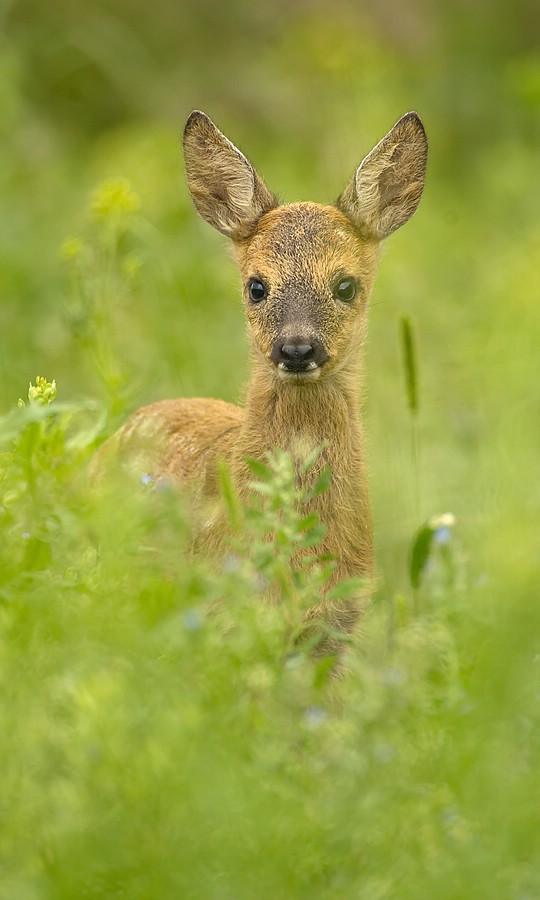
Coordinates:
162 736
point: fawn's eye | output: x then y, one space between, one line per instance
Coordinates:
345 290
256 290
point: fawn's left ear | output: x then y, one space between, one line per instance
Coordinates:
386 188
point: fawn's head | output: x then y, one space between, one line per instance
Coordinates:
307 269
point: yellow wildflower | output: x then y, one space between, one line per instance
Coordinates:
113 199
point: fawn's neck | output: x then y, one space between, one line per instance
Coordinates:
301 417
286 414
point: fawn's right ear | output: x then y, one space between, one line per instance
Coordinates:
224 186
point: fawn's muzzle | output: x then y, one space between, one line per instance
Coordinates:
299 354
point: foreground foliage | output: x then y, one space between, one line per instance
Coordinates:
163 735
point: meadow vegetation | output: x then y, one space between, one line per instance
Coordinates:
163 732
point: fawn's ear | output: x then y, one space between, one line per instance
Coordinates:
224 186
386 188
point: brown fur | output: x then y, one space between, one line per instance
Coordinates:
297 251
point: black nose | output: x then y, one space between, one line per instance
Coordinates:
299 354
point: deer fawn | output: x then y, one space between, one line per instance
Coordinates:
307 272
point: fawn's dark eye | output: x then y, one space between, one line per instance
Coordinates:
257 290
345 290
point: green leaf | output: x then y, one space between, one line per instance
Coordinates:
347 588
323 671
314 536
81 436
323 482
266 489
38 555
420 550
12 424
259 469
232 503
308 522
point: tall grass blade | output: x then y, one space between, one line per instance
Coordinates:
410 366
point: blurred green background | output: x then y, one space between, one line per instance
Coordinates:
94 90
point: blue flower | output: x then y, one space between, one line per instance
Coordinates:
315 715
442 535
192 619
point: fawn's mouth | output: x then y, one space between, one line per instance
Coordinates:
309 371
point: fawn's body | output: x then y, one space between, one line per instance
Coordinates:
307 271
